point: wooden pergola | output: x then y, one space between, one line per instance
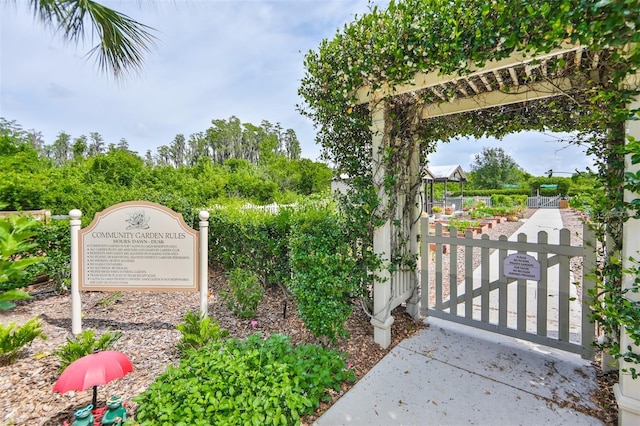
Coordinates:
516 79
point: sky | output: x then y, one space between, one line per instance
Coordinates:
212 60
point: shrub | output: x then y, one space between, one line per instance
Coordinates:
253 240
13 339
198 331
16 234
250 381
54 241
83 344
325 275
245 293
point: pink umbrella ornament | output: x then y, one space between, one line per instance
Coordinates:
93 370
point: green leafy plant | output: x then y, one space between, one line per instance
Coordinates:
54 241
198 331
13 339
244 294
83 344
324 273
249 381
111 298
16 240
462 224
7 298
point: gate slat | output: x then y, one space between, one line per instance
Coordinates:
522 294
453 271
541 318
468 280
503 296
484 284
438 268
424 265
563 299
588 283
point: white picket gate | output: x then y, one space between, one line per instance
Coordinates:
551 310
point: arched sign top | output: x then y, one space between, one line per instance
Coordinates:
138 245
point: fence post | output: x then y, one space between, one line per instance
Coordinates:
76 306
588 283
204 262
424 264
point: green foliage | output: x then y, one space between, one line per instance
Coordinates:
498 200
462 224
250 381
13 339
16 234
83 344
493 168
468 192
325 273
619 311
7 298
53 240
562 189
198 331
245 293
251 239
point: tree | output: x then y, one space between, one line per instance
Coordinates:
61 149
492 169
97 143
122 40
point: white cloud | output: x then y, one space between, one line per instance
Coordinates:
213 59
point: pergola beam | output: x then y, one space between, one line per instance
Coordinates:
426 80
529 92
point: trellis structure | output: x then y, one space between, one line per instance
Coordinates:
403 77
517 79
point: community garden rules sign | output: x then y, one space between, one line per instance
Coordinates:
138 246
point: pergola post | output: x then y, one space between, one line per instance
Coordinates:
381 319
413 303
627 390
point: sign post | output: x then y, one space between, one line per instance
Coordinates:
137 246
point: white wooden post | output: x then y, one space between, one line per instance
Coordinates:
204 262
413 304
76 306
627 391
381 319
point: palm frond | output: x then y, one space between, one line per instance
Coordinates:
123 41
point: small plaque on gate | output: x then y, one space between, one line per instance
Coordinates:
522 266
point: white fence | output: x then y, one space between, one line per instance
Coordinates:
458 203
545 309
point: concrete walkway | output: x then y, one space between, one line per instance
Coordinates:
451 374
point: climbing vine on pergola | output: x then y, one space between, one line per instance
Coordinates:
388 47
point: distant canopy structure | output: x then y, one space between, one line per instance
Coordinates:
446 174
